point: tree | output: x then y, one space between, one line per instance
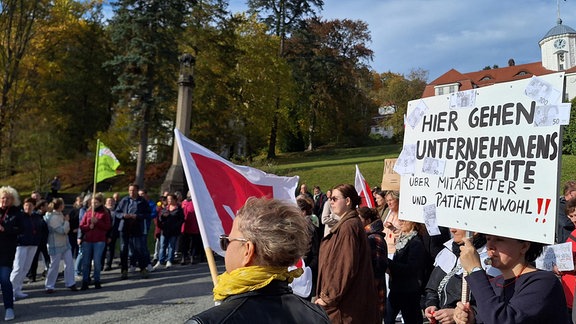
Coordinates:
18 20
569 139
73 87
145 34
282 16
329 60
393 89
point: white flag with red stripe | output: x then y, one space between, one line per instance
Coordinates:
219 188
363 190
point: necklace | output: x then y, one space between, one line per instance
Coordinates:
506 284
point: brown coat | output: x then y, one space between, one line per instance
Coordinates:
345 277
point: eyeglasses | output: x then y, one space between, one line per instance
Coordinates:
334 198
225 241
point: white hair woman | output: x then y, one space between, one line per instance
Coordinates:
10 225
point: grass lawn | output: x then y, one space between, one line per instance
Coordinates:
328 168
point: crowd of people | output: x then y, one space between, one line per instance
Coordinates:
85 238
366 264
369 266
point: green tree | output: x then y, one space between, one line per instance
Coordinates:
394 89
73 87
258 72
211 39
282 16
569 139
329 59
18 25
145 35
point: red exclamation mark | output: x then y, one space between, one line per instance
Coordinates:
540 201
546 209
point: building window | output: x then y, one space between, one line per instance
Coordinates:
440 90
452 88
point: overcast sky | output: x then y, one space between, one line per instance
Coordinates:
437 35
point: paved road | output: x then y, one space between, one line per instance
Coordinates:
167 296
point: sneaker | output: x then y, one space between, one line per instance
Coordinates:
168 264
108 268
157 266
73 288
50 291
132 269
20 295
124 275
97 285
149 268
9 314
144 273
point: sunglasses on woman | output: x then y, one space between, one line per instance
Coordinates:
225 241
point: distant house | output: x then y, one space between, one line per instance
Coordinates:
378 127
558 51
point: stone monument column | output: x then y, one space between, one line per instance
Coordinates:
175 178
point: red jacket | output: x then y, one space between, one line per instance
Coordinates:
190 225
569 278
101 227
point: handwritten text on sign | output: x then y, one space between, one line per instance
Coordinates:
488 163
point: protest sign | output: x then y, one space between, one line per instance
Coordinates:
488 161
390 179
559 255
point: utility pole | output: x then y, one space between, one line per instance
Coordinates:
175 179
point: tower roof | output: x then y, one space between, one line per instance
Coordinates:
559 29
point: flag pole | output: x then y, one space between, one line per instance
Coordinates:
95 172
211 265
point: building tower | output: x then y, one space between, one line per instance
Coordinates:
558 48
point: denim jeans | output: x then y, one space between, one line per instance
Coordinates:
167 248
135 244
7 293
78 263
92 251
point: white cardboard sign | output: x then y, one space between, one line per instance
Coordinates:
485 167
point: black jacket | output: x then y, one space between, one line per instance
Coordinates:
407 268
274 303
31 230
171 221
11 220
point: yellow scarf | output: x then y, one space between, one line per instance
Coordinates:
251 278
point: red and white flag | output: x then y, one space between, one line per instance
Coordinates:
219 188
363 190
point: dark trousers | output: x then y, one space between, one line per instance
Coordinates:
73 239
191 247
136 245
42 248
111 249
408 304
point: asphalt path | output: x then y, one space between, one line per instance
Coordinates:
167 296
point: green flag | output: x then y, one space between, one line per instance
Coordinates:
106 163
